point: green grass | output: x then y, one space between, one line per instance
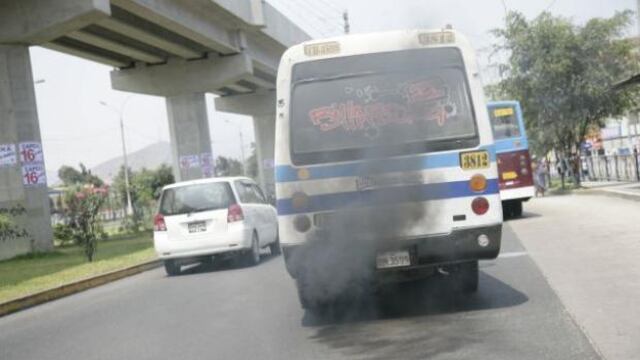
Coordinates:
555 187
32 273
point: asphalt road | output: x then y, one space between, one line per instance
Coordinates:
253 313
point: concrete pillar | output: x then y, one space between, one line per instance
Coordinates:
190 141
19 128
264 127
262 107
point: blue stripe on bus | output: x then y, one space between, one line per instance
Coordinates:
391 195
287 173
515 144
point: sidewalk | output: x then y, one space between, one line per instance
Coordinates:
618 188
587 247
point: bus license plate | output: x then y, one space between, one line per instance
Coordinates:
474 160
195 227
393 259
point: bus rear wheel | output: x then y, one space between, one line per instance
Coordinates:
467 277
517 208
511 209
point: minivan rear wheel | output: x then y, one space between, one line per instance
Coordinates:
252 257
171 267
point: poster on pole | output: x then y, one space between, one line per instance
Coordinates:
207 171
8 155
34 175
206 159
31 153
268 163
189 161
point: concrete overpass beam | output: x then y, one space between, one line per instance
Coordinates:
183 77
57 46
190 19
190 140
264 127
150 38
114 46
19 125
35 22
262 107
184 84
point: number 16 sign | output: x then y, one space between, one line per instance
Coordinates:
34 175
31 153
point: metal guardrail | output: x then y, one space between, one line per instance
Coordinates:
613 167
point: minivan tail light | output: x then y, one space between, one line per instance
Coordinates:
234 213
158 223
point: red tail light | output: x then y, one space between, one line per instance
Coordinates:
480 205
235 213
158 223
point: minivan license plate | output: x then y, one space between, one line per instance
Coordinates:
393 259
197 227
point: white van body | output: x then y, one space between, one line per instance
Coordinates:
196 219
339 96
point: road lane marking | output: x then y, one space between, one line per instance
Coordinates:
512 254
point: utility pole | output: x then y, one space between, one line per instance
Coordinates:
638 16
345 18
636 116
120 113
244 171
126 166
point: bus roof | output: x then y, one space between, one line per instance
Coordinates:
396 40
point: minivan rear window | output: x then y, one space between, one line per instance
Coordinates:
195 198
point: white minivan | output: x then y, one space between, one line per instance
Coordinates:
220 216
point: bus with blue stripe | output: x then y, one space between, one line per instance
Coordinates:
512 149
385 163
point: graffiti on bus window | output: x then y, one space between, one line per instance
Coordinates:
369 108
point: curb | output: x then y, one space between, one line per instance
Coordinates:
74 287
621 194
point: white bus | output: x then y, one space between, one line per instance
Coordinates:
385 162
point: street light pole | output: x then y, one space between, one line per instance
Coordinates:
126 167
120 112
244 171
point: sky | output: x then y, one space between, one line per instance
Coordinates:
76 128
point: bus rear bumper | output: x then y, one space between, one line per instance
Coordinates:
521 193
461 245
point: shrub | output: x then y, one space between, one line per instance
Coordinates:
8 229
83 207
64 233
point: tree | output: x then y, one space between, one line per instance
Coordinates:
228 167
83 206
70 176
145 189
563 76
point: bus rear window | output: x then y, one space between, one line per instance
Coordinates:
391 103
504 122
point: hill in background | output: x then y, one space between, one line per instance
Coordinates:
149 157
